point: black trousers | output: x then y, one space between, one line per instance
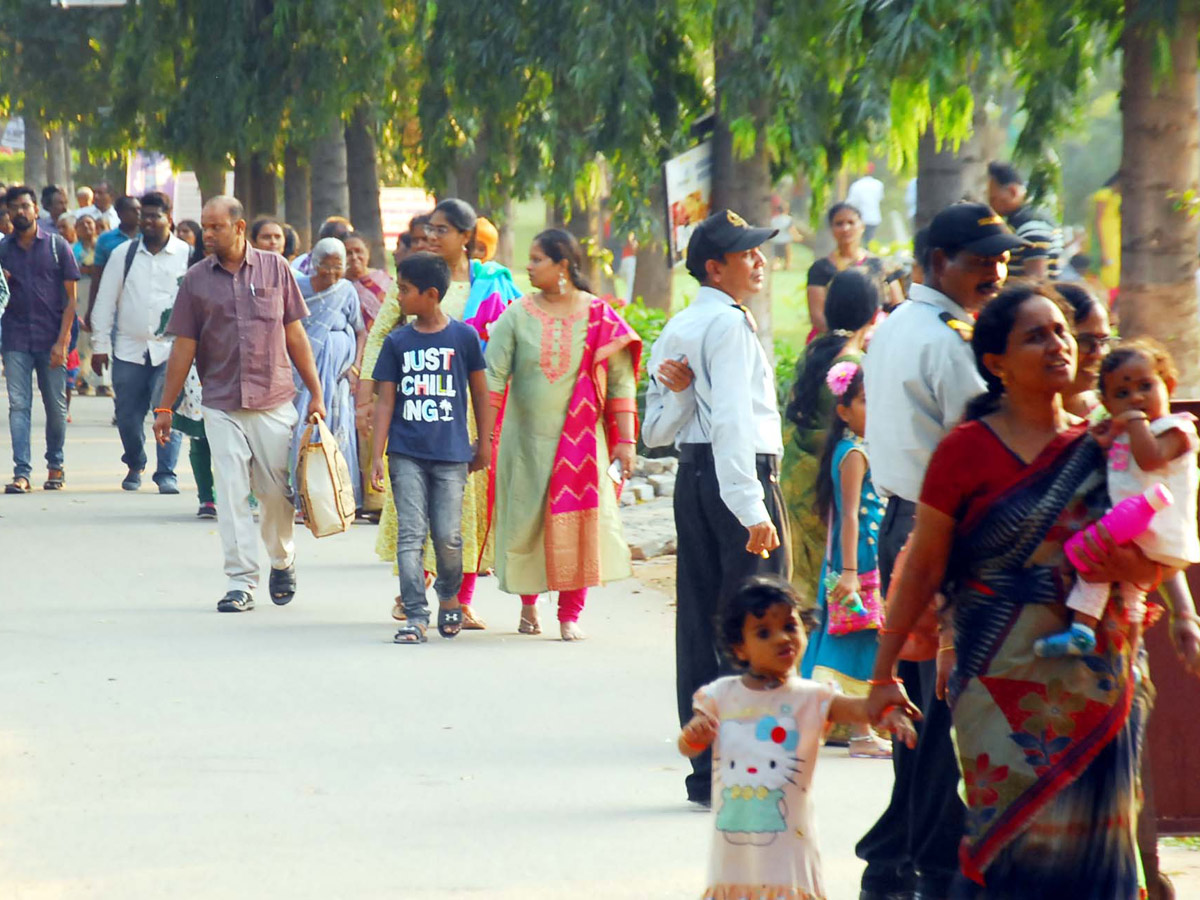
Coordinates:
711 562
915 842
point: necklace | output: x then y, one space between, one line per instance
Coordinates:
767 681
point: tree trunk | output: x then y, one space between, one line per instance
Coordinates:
210 176
363 174
947 175
743 185
330 187
1158 167
241 183
262 186
36 174
506 250
297 205
585 224
58 162
463 181
655 276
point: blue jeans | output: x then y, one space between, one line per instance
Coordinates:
139 387
19 367
429 498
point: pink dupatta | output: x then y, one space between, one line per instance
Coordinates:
573 504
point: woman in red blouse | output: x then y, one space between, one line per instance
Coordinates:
1046 747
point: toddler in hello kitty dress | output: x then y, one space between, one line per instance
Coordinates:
765 726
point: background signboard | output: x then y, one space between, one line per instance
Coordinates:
689 196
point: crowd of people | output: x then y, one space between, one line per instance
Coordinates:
491 431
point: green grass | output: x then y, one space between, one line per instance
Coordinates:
1188 843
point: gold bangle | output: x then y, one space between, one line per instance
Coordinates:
949 648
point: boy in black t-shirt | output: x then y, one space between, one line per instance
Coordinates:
424 372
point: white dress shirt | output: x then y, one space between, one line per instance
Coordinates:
109 216
730 405
919 375
142 307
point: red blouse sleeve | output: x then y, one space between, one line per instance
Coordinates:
958 467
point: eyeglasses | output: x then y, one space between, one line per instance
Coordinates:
438 230
1092 343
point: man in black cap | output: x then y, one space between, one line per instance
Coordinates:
919 376
712 394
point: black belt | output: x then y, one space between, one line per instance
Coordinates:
698 454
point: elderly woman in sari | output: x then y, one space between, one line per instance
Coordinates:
335 330
1047 747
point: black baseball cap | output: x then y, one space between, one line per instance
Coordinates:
974 227
722 232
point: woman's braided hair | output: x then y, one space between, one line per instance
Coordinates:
559 245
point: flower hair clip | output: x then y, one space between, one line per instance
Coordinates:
839 377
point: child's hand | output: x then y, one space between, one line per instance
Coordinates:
700 731
1106 432
847 584
1185 635
901 727
483 456
377 475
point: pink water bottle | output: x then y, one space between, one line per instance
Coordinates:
1124 522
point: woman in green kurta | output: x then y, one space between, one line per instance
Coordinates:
563 365
851 305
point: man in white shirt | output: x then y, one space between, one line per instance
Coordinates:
729 512
102 209
919 375
137 293
866 195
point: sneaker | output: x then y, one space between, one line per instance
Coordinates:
133 480
236 601
1078 640
168 484
207 511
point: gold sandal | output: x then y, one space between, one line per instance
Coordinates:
472 622
529 624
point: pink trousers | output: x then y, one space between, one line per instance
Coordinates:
570 603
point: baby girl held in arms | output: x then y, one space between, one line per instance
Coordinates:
765 727
1150 449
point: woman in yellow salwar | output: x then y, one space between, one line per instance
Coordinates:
478 294
563 366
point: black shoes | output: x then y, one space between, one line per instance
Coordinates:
235 601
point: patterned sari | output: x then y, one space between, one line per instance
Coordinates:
1047 747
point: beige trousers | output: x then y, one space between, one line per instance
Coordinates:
250 452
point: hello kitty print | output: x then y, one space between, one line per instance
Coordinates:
764 830
758 760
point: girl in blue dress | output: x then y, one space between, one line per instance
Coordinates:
842 648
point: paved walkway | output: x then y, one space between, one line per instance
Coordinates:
152 748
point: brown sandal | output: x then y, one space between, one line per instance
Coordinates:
19 485
472 622
54 480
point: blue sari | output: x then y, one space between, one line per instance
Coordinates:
334 320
